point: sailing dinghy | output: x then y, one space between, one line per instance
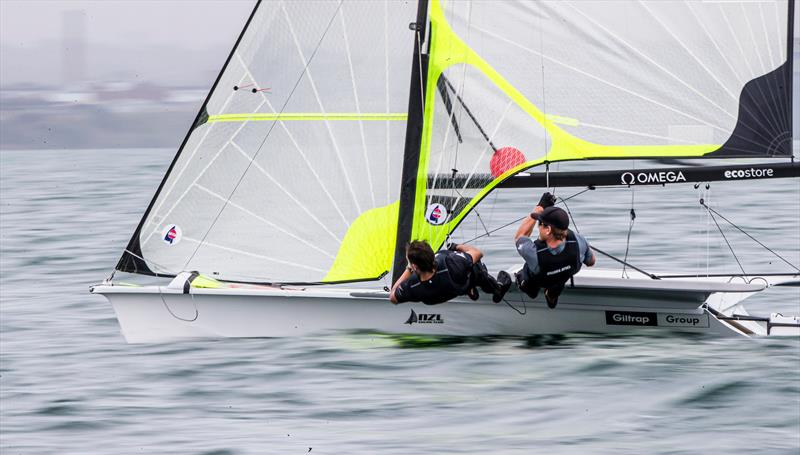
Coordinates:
338 131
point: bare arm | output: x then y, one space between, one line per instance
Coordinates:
405 276
475 253
526 227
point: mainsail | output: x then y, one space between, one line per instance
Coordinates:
512 85
295 169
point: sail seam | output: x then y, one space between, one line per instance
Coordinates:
278 117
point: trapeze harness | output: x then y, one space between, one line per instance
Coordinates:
442 287
447 284
554 269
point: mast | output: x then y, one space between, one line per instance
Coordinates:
131 260
790 62
408 188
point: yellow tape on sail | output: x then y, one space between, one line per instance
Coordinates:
447 49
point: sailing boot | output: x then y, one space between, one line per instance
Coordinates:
503 285
473 294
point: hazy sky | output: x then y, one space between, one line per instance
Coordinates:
127 39
195 23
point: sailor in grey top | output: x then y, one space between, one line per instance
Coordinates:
527 250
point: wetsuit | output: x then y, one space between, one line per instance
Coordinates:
455 274
551 268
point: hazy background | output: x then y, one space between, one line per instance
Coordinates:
117 73
109 74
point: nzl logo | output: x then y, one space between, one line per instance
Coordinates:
436 214
424 318
171 234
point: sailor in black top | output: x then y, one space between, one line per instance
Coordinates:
436 278
555 256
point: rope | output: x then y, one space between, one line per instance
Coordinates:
630 229
523 217
524 305
725 238
651 275
702 202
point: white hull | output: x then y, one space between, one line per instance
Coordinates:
596 304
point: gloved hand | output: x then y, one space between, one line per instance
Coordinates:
547 200
452 246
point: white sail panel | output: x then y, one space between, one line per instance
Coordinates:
304 135
628 73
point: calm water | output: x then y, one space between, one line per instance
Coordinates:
70 385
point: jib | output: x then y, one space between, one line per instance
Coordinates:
682 320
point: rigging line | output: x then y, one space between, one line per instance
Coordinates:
726 239
483 152
307 72
310 167
358 105
197 178
421 80
272 126
702 202
458 93
630 228
388 100
651 275
544 98
601 80
164 196
169 310
150 261
292 139
571 217
524 305
523 217
469 111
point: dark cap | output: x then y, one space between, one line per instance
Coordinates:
553 216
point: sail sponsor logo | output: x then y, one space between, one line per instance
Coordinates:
171 234
682 320
436 214
748 173
629 178
424 318
631 318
